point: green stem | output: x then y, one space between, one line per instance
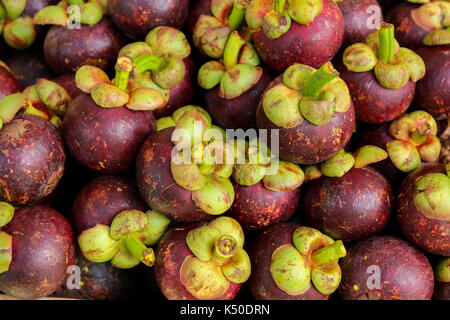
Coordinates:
124 66
147 62
139 250
76 2
318 80
225 248
236 18
232 49
279 5
329 253
386 48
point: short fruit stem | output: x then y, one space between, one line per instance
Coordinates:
225 248
386 49
232 49
124 66
139 250
147 62
318 80
329 253
236 18
279 5
424 128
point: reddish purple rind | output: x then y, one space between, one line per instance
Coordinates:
356 18
27 67
312 44
9 83
256 207
308 143
261 283
405 273
102 199
198 8
105 140
182 94
352 207
374 103
68 82
441 291
137 17
432 93
32 159
156 183
100 281
430 235
98 45
171 253
43 246
239 112
407 32
378 135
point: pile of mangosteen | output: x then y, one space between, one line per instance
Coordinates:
225 149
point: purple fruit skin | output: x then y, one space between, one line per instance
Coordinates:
171 253
239 112
31 161
312 44
198 8
102 199
27 67
256 207
356 18
308 143
67 81
261 284
33 6
430 235
66 50
374 103
156 184
405 272
9 84
137 17
43 247
353 207
441 291
432 93
105 140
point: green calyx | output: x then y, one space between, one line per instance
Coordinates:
210 35
6 213
135 49
359 57
157 224
312 172
210 74
415 63
437 37
168 41
145 99
289 177
403 155
338 165
5 251
305 11
127 222
51 15
9 106
20 33
432 16
88 77
256 10
220 243
419 129
109 96
238 80
170 73
14 8
394 75
54 96
216 196
431 196
369 154
221 9
90 13
96 244
281 106
276 24
442 270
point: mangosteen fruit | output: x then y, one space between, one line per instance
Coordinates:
306 32
9 84
311 111
33 156
98 281
202 261
292 262
361 18
432 94
423 209
385 268
68 82
16 25
163 63
68 46
137 17
198 8
234 86
265 193
105 127
442 277
413 21
350 201
214 22
36 247
183 170
381 76
28 66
